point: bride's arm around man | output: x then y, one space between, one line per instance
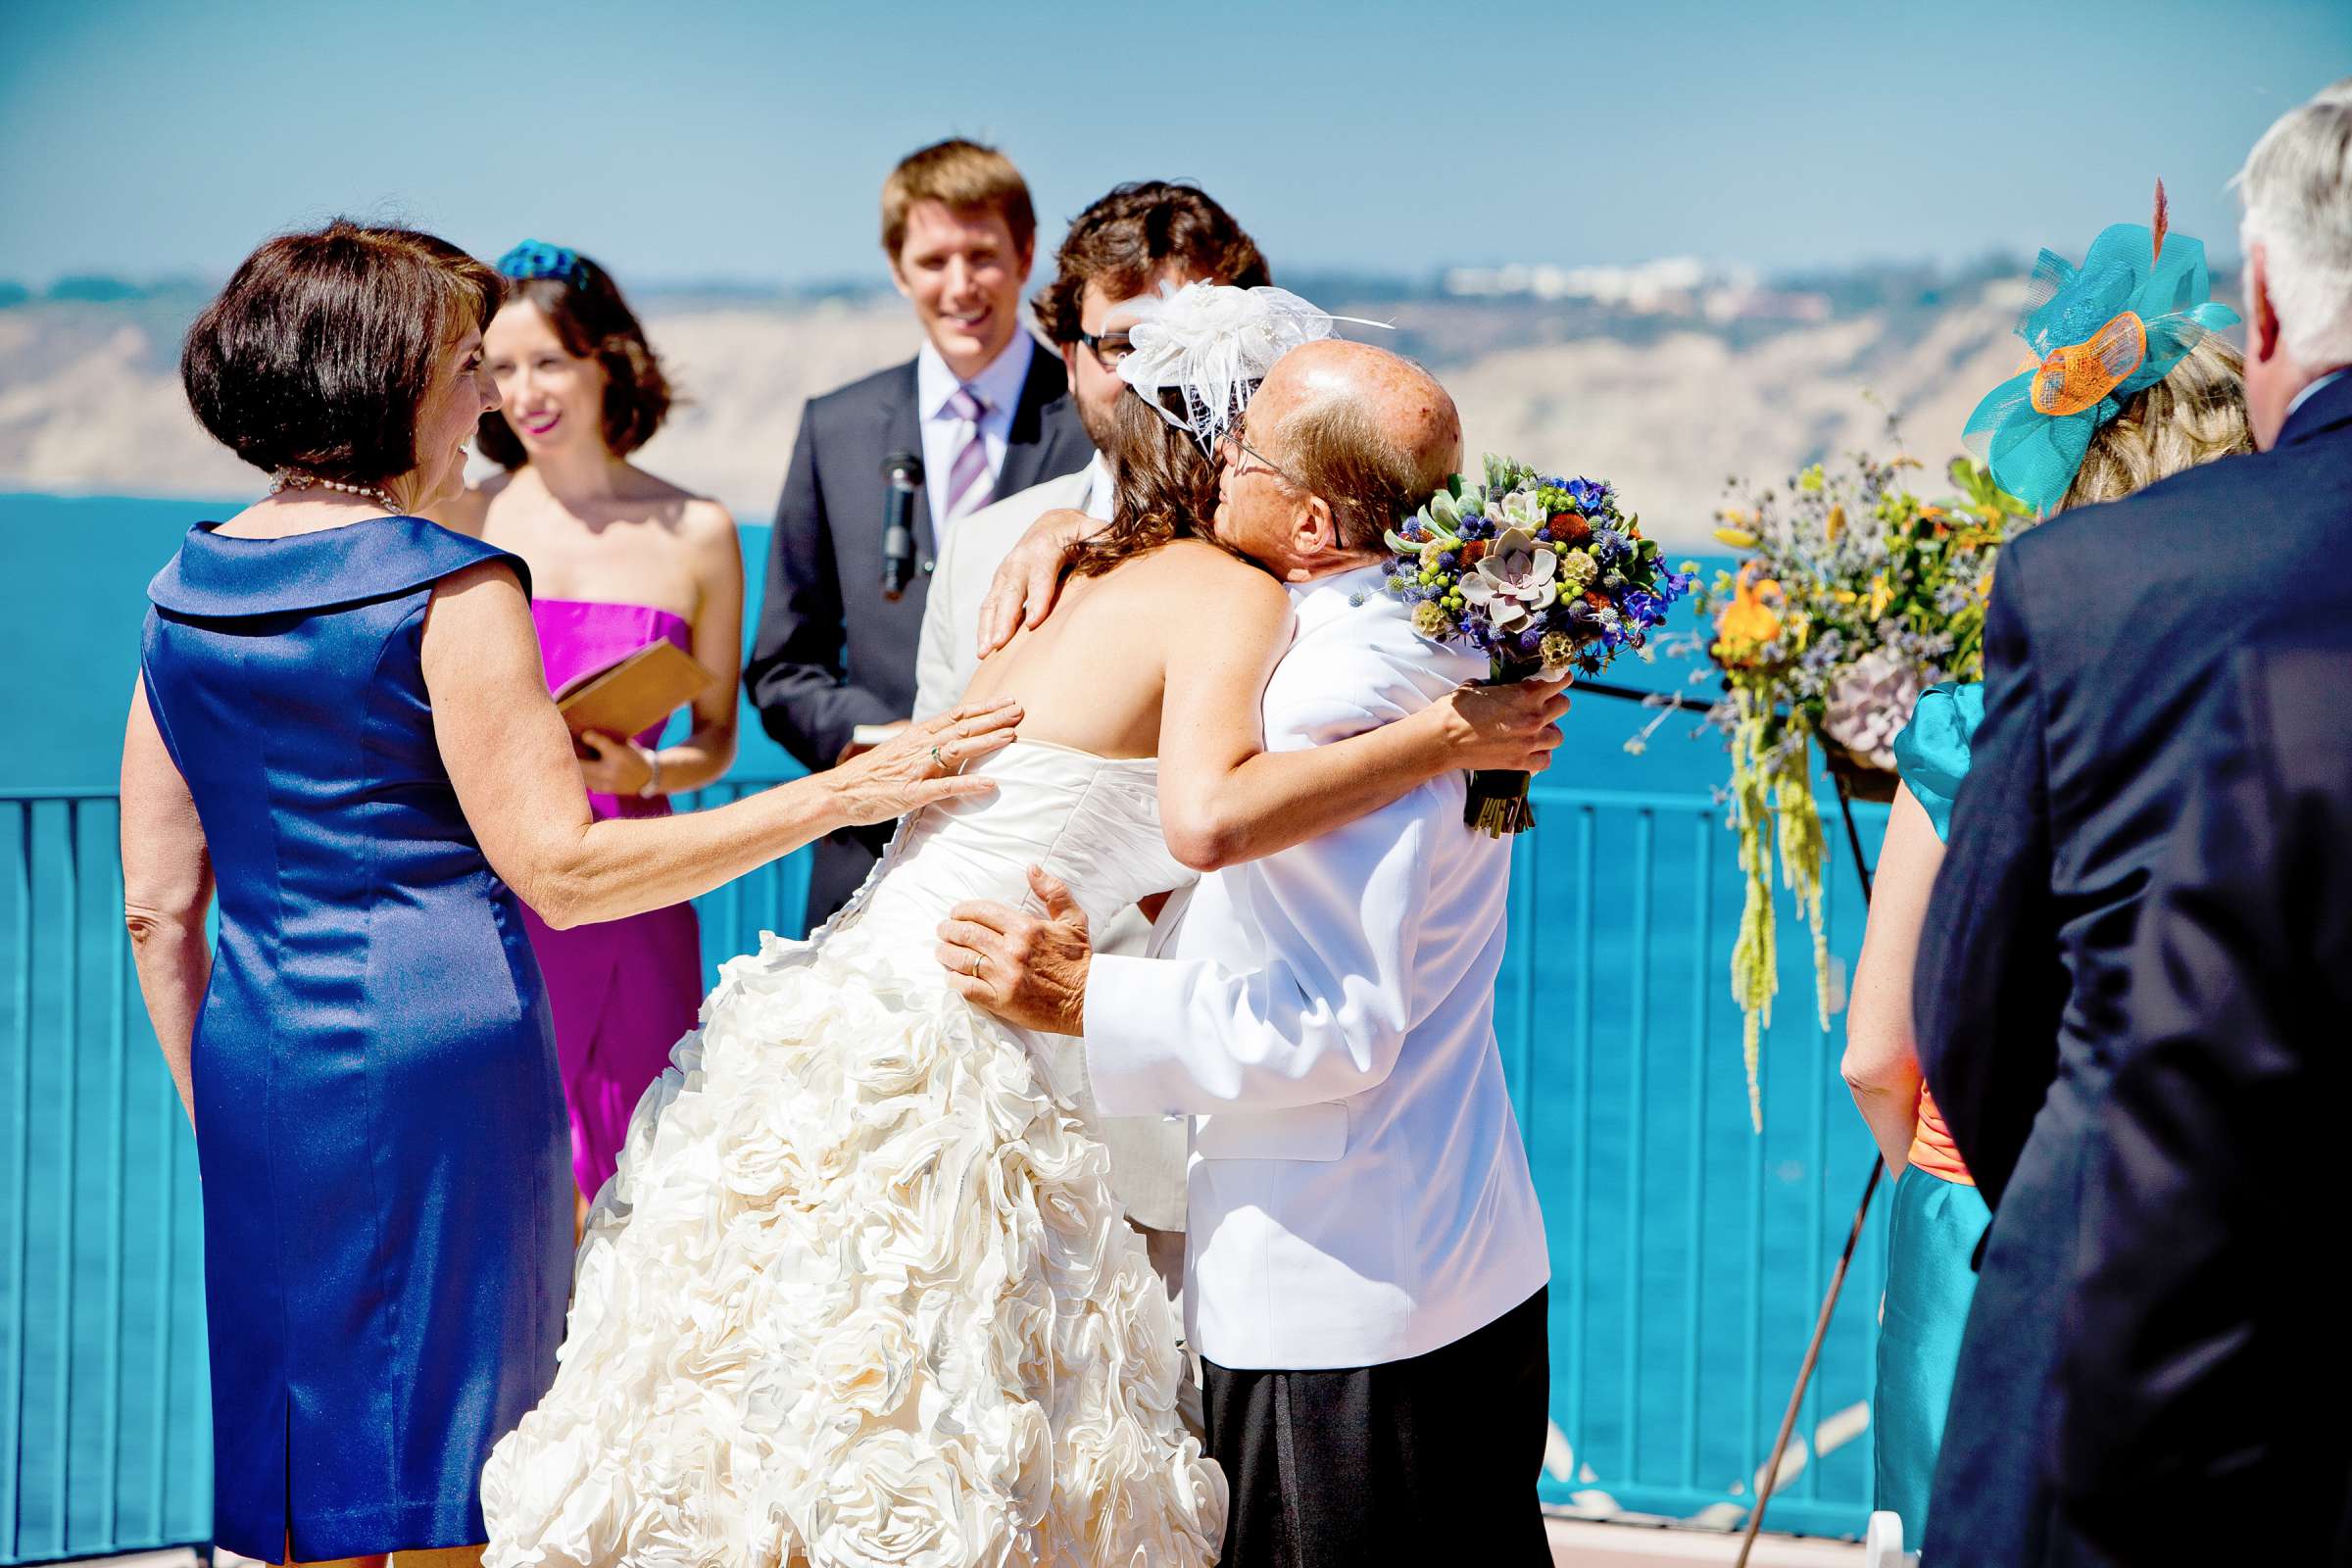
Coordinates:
1367 1263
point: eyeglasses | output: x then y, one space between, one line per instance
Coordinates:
1231 449
1107 348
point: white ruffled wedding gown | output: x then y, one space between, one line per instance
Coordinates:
860 1292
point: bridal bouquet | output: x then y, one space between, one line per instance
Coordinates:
1855 595
1535 574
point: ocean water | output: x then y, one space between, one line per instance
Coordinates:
1688 1253
75 589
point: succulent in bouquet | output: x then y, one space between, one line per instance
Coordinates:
1536 574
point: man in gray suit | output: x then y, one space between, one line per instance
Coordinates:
985 413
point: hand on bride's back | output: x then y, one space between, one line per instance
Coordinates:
1511 728
1024 587
918 764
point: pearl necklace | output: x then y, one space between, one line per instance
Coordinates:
291 479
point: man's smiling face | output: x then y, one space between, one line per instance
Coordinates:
962 271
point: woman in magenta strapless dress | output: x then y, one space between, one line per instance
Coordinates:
622 560
622 991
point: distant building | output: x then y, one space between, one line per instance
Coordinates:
1675 285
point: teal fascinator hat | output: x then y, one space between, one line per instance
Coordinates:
535 259
2101 334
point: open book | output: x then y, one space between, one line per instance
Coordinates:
634 692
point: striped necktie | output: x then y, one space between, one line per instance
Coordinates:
969 484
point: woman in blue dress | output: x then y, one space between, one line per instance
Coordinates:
341 719
2096 438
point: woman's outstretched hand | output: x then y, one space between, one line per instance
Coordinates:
917 766
1510 729
1026 584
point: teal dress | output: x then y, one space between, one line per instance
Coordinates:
1937 1221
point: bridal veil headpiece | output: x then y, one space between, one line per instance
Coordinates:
2101 334
1200 350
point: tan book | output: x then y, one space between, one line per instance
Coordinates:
634 692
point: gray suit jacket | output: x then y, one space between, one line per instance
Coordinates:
831 653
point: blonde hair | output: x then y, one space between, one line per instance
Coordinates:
961 177
2196 414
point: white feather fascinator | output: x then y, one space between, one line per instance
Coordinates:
1200 350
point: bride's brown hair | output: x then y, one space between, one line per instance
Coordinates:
1164 487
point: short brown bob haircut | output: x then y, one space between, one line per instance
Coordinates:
1126 239
961 177
319 353
593 322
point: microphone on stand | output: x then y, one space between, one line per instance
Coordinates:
901 476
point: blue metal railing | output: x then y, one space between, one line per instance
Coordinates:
1687 1255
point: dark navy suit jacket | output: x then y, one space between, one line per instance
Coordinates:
2204 1360
831 653
2107 629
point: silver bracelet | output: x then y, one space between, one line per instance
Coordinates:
653 783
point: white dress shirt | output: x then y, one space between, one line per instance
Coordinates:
948 653
1359 1192
998 386
2305 396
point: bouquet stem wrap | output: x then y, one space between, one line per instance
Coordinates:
1498 803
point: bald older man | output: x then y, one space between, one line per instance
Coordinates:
1367 1270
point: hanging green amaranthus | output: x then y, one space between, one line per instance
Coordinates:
1772 800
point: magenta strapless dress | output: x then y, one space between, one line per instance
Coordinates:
624 990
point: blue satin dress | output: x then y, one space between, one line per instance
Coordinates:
1936 1221
379 1122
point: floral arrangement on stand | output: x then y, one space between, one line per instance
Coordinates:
1855 596
1535 574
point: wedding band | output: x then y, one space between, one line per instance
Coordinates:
977 959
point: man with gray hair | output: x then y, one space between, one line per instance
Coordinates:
1366 1276
2107 626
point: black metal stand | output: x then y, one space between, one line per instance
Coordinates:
1828 1302
1770 1479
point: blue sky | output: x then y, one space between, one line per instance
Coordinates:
747 141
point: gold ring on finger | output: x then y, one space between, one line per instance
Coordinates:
977 960
937 760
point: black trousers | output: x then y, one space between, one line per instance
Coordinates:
1430 1460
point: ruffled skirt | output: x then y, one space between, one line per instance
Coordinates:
859 1293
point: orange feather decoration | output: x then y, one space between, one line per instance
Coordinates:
2163 220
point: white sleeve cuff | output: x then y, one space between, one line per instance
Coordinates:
1135 1014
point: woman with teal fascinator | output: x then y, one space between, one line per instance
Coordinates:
2129 384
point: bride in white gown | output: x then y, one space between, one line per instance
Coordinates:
860 1292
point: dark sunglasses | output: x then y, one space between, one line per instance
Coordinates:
1107 348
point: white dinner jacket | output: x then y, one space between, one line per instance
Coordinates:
1358 1192
947 652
